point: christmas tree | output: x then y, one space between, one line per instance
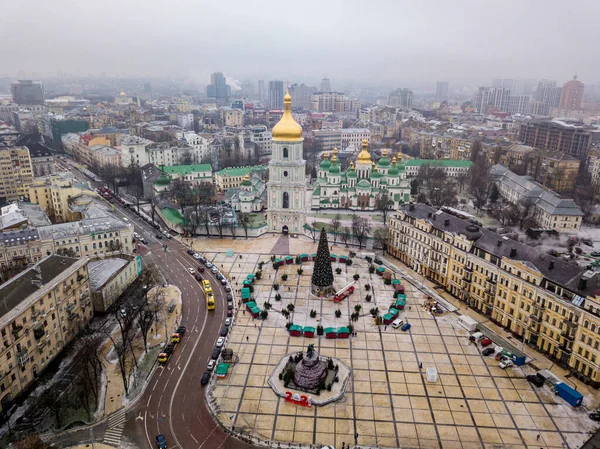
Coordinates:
322 277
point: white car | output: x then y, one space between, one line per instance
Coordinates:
214 269
191 270
220 342
196 256
227 321
211 365
505 364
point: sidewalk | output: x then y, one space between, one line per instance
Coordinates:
538 360
114 396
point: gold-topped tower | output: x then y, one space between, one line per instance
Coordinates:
364 155
287 129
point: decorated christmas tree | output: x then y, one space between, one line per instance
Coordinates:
322 278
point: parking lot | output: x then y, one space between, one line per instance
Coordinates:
388 402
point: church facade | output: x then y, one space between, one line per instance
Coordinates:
286 189
359 187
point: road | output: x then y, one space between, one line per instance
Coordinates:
173 403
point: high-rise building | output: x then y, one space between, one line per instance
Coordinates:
218 88
276 94
328 102
261 90
27 92
16 174
491 98
401 98
570 137
441 91
325 85
518 104
302 95
572 95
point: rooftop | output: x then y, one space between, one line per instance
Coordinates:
241 171
83 227
101 271
19 288
437 162
186 169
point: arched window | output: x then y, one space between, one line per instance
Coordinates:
286 200
285 153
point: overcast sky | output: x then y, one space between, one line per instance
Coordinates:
398 42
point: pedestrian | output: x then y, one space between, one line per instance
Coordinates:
247 338
421 365
385 328
244 311
343 445
538 437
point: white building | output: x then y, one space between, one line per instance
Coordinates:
185 121
133 149
200 146
261 136
286 189
355 136
401 98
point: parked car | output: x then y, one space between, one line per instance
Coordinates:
229 306
205 379
230 312
405 327
161 442
229 297
191 252
211 365
220 342
506 363
536 380
214 269
595 253
219 276
486 342
227 288
208 265
227 321
191 270
216 353
181 330
223 281
224 332
397 323
195 255
594 416
488 351
158 236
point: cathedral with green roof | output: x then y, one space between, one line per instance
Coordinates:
358 187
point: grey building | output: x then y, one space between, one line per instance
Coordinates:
441 91
301 96
276 94
218 88
27 92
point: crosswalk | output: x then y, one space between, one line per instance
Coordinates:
116 423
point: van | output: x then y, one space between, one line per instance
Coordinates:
397 323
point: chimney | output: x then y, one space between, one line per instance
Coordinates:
551 267
513 252
582 284
429 214
499 243
447 222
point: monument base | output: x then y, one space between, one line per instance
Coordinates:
322 291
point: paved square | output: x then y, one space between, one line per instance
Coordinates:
388 401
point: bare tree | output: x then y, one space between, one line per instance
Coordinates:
346 235
88 355
480 183
384 203
461 179
244 221
205 220
381 238
336 223
524 211
32 442
219 222
313 230
361 228
186 157
475 150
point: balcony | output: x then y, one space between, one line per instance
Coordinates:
35 313
72 316
69 307
470 270
16 329
80 277
566 349
568 336
38 331
42 343
570 324
22 357
491 280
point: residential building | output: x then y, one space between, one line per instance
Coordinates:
27 92
193 174
133 150
354 137
275 94
555 170
441 91
232 117
43 309
546 96
518 104
261 90
549 303
401 98
42 159
453 168
325 86
172 153
199 146
16 173
567 136
488 99
359 187
550 211
232 177
572 94
329 102
109 278
54 192
262 138
102 156
302 95
186 121
218 87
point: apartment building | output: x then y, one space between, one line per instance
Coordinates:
262 138
567 136
53 194
354 137
550 303
329 102
109 278
232 117
550 210
42 311
328 139
16 173
452 168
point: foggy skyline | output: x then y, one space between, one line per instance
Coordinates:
398 43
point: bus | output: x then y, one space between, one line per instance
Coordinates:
210 301
208 292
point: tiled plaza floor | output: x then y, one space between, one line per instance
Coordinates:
388 401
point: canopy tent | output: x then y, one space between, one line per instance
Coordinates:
396 282
250 304
343 259
343 332
247 283
250 277
313 256
388 318
295 330
393 311
245 294
309 331
401 296
380 270
303 257
330 332
289 259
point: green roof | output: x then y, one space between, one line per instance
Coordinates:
384 162
393 170
335 168
363 183
222 368
173 215
241 171
325 164
295 327
351 174
438 162
186 169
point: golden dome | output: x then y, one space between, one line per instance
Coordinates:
373 164
364 155
394 160
334 159
384 152
122 94
326 155
352 165
247 177
335 150
287 130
